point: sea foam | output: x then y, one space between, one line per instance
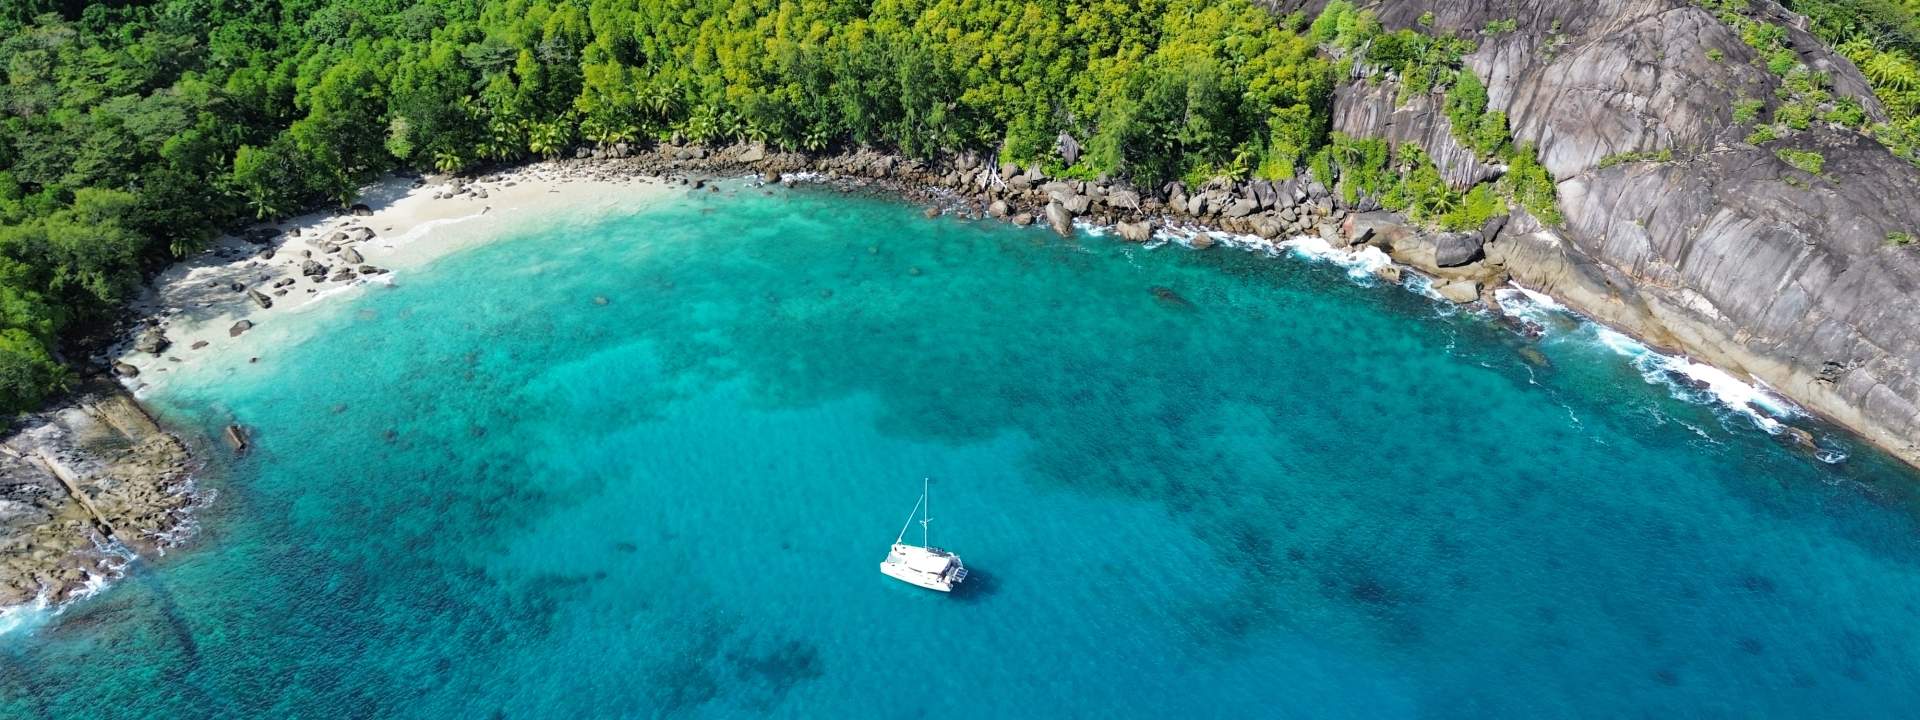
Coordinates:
1685 378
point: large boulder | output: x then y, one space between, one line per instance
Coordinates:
1268 226
1059 219
260 298
351 256
1454 249
239 328
313 269
1123 199
152 342
1459 291
1135 231
1068 148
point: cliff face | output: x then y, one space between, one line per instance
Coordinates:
1725 252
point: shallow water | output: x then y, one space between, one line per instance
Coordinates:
1196 483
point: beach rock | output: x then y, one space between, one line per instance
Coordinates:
998 209
239 328
1023 219
313 269
1068 148
1059 219
351 256
125 369
361 210
1459 291
1135 231
197 344
152 342
1268 226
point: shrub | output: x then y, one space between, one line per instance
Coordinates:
28 373
1662 155
1806 161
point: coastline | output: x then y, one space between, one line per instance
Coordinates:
124 487
206 306
209 304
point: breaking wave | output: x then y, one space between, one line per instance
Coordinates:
1686 379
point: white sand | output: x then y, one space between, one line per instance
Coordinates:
195 302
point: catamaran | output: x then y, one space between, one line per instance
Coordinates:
924 565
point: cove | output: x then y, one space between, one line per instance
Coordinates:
1197 483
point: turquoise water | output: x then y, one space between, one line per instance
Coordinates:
1205 484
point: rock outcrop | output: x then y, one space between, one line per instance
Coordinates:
91 472
1724 252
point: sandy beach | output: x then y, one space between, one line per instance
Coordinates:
203 304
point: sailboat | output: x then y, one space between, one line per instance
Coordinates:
924 565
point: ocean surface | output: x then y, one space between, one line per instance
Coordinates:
643 463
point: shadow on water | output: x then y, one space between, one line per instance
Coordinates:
979 587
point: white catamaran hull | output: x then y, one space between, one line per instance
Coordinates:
908 575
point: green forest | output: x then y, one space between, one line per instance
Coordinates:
132 132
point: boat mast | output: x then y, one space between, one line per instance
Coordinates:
909 522
927 516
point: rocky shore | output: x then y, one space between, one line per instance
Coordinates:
1462 267
83 487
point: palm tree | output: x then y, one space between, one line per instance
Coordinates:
815 140
547 139
657 101
448 161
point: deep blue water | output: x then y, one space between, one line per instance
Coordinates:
1196 484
